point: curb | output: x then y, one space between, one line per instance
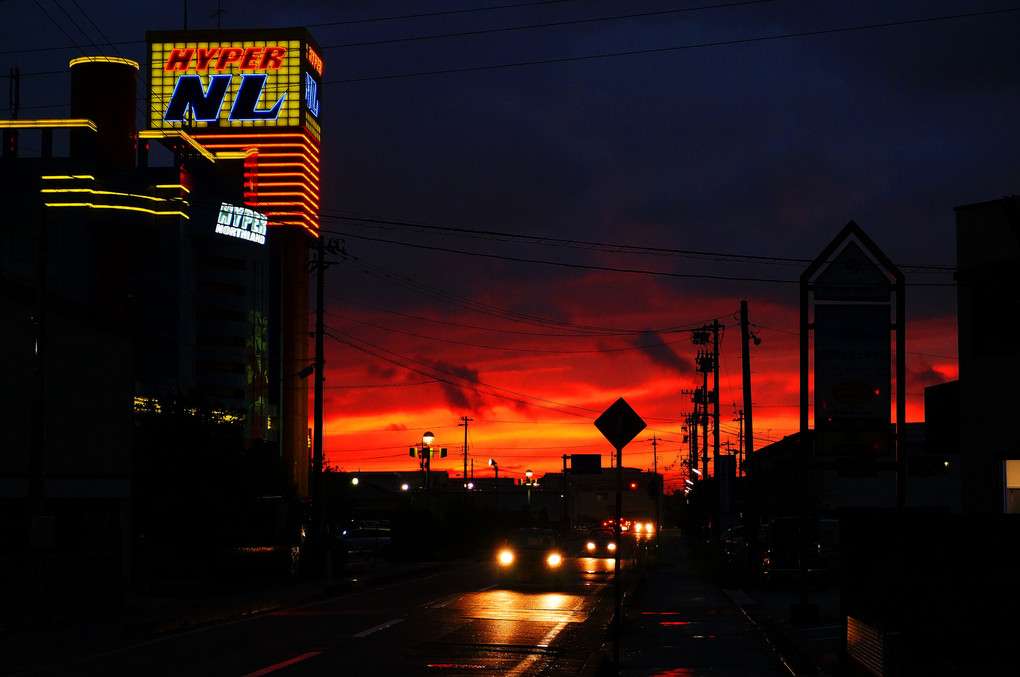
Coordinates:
788 647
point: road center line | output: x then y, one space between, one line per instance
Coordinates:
279 666
381 626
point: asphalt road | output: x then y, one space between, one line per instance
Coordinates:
454 622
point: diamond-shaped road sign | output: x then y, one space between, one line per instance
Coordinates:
620 424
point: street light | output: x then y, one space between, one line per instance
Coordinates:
426 453
354 499
527 473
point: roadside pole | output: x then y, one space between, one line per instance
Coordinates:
620 424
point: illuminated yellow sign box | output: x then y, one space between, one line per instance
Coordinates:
232 79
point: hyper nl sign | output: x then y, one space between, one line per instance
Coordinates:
233 83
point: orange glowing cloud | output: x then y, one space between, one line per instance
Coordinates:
538 363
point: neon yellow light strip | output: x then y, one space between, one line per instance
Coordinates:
91 205
92 191
27 124
172 186
103 59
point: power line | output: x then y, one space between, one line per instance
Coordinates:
552 24
662 50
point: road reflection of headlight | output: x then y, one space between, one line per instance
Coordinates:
506 558
554 560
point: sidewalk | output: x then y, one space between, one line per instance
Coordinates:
676 623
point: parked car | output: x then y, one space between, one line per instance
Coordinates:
367 544
533 556
734 545
788 537
600 543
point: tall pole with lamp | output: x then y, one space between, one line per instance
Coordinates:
495 486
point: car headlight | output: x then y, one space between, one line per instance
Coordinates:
611 546
554 560
506 558
591 545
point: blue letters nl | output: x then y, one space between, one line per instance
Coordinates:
205 103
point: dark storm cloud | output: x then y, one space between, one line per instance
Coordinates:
656 349
458 397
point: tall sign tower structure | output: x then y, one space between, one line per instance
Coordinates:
254 95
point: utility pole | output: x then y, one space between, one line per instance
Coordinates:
320 264
746 337
465 420
694 422
708 362
715 389
740 440
751 518
320 361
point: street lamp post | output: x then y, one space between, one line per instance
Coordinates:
495 486
426 453
354 499
528 474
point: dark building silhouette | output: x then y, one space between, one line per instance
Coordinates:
128 287
988 261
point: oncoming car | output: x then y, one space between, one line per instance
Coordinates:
642 529
531 556
600 543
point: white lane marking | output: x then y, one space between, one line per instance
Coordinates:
280 666
522 667
381 626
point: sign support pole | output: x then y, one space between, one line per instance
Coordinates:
617 588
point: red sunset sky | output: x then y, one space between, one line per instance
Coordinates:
534 389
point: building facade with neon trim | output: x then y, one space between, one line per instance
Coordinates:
147 284
253 95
